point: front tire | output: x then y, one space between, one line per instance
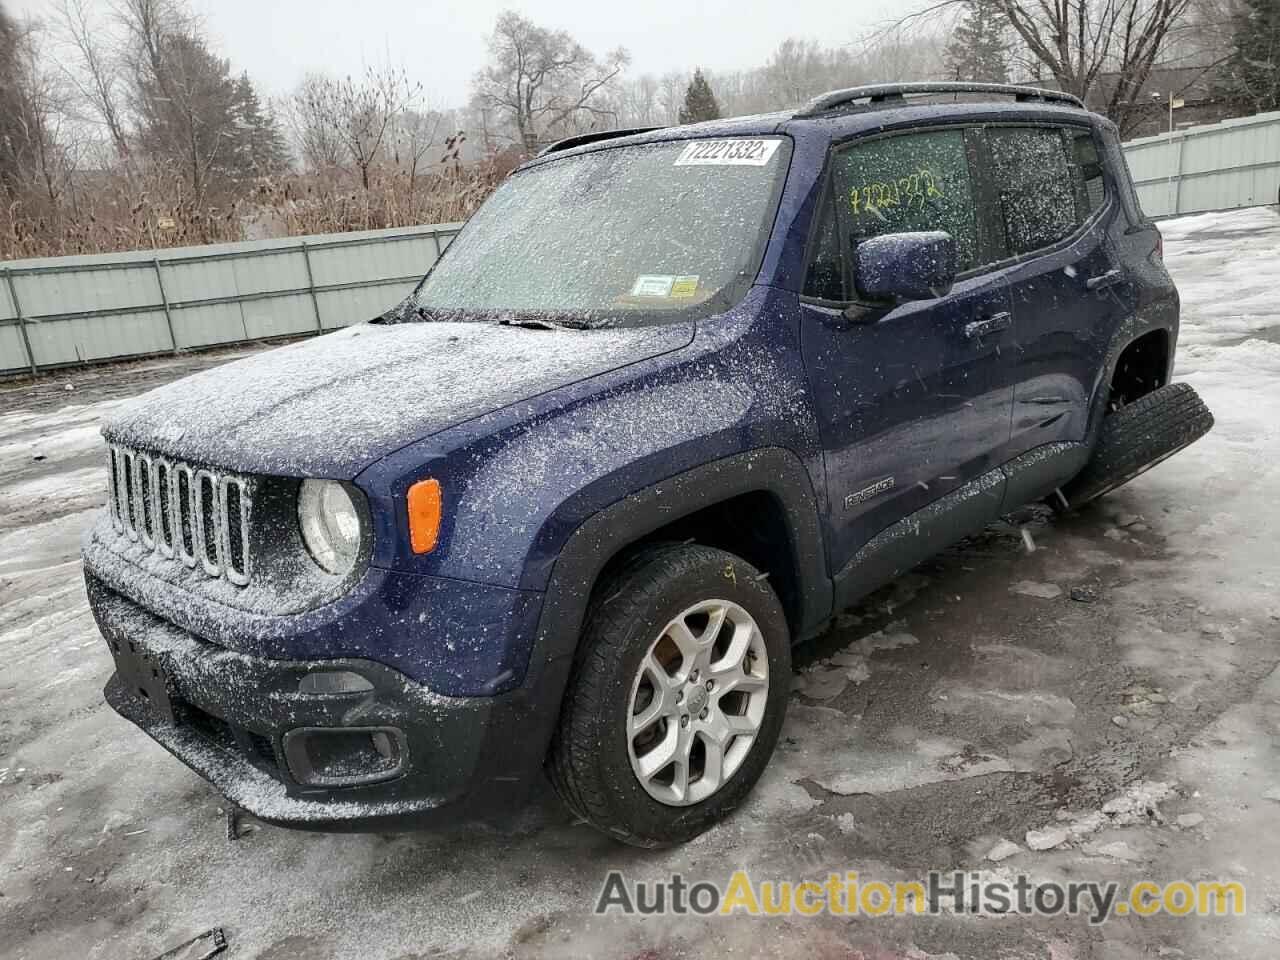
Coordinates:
677 696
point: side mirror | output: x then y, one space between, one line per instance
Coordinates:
905 266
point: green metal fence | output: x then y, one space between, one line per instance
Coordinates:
62 311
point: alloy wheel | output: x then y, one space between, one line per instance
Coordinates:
697 702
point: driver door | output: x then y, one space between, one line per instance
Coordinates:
914 399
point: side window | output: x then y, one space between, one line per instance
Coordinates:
1034 186
897 184
1088 170
825 279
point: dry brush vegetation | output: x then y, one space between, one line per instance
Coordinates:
123 130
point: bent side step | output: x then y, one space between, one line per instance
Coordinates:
1137 437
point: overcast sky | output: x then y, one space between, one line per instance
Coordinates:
278 41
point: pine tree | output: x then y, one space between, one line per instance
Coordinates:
699 102
186 101
1252 75
979 49
261 148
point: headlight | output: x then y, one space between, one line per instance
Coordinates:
330 524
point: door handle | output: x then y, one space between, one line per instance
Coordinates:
1104 280
991 324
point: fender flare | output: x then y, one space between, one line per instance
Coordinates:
601 536
772 470
1133 329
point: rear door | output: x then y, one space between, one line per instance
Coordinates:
1044 185
914 400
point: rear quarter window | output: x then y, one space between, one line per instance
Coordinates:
1122 177
1087 164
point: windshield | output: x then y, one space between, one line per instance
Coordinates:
615 237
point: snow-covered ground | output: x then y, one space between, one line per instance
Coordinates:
968 703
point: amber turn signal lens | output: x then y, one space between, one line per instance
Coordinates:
424 515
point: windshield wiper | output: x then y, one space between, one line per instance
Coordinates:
541 323
407 310
410 310
529 323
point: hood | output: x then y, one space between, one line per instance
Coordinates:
330 406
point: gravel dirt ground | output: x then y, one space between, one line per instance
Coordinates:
1118 684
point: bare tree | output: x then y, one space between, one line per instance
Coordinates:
353 116
902 54
1098 49
671 88
34 160
638 102
543 82
95 70
12 104
316 142
796 71
413 135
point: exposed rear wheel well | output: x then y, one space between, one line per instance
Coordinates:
752 526
1143 366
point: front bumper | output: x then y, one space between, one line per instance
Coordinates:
228 716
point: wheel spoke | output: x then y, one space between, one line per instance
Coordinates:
657 759
713 766
683 638
714 624
663 703
723 727
738 680
662 681
647 717
744 634
680 782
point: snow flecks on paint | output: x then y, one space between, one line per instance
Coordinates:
332 405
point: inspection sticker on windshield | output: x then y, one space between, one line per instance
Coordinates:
684 286
653 285
739 152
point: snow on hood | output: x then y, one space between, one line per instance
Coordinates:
332 405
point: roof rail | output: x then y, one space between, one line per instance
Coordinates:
585 138
886 92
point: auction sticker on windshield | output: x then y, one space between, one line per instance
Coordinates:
651 285
739 152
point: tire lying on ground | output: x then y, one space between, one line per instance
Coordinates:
677 697
1137 437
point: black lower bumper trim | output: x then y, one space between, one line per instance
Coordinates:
259 793
226 715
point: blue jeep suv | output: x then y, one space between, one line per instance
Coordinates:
670 400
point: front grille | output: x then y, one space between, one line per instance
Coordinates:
192 516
